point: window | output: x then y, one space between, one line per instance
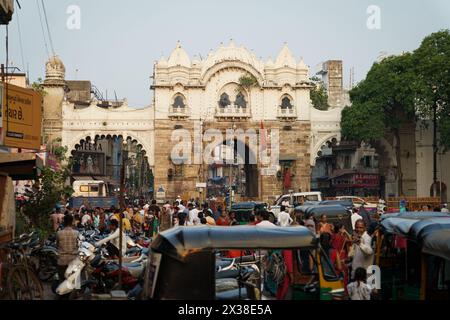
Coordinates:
94 188
240 101
84 188
224 100
286 103
367 161
347 162
179 102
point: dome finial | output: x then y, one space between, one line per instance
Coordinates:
55 71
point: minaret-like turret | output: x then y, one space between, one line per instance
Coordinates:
54 87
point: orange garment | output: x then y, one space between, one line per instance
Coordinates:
223 222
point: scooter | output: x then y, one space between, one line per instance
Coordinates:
74 271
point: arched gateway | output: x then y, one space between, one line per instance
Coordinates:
206 91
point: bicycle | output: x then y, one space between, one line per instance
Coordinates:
18 278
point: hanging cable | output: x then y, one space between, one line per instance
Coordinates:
48 28
6 77
20 42
42 28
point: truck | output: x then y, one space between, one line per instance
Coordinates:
92 193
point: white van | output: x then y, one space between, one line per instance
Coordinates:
89 188
295 198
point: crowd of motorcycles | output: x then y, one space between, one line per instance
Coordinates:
93 271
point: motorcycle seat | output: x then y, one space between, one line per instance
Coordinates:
222 264
131 264
232 294
227 274
249 258
226 284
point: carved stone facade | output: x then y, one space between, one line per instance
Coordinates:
206 91
210 93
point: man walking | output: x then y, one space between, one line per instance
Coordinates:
66 241
284 218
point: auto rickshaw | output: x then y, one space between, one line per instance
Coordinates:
183 263
399 252
246 211
334 213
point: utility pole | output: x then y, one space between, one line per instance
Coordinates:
122 209
435 149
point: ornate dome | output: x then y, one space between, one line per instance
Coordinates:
55 72
233 53
179 57
285 58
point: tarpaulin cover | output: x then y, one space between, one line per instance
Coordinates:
423 227
437 243
180 241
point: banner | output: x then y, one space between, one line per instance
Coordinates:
21 117
88 163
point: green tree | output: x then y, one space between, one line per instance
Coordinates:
319 95
248 81
382 103
47 190
38 86
432 85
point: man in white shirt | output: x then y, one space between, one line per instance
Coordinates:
284 218
113 240
180 205
362 245
193 216
355 217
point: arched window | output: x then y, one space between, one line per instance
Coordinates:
224 100
286 103
178 102
240 100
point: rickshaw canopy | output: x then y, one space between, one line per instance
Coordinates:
411 223
181 241
437 243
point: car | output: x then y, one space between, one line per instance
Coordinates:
347 204
358 202
295 199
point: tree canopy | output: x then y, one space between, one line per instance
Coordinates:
398 88
319 95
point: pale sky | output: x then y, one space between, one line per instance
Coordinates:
119 40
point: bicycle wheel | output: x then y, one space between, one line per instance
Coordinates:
23 284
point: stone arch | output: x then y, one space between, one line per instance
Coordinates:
284 96
209 73
329 138
249 166
175 96
232 90
95 135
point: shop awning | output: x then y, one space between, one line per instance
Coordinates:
21 166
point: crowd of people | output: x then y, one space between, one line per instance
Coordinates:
350 251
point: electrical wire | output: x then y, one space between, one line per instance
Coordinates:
48 28
20 42
42 28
